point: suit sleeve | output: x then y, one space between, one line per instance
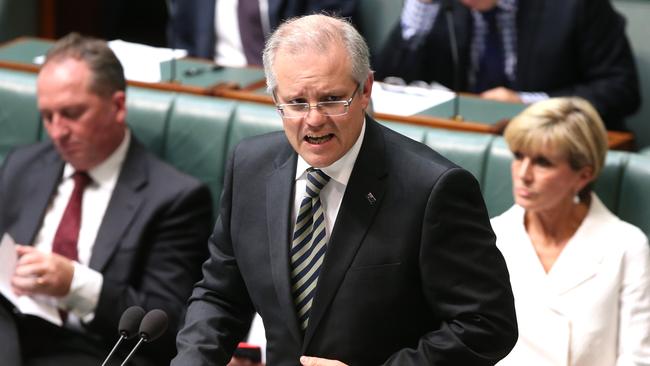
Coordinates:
407 59
220 312
607 72
171 249
191 27
465 280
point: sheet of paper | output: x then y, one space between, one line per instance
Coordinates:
406 100
41 306
140 62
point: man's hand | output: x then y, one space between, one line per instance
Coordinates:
315 361
502 94
41 273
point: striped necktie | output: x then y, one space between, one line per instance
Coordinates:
308 246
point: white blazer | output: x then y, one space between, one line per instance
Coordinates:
593 307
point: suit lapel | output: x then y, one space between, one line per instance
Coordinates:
279 196
122 207
45 182
582 257
353 220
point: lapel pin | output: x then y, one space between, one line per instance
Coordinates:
371 198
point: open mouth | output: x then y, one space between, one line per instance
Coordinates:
317 140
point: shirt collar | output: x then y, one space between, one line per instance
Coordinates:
341 169
109 168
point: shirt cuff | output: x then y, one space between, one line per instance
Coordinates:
532 97
84 293
417 18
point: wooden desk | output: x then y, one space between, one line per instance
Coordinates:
194 76
247 84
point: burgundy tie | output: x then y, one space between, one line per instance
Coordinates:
250 30
65 239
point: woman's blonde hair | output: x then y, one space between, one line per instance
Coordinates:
569 125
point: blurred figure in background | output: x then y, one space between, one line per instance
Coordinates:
580 275
232 32
519 51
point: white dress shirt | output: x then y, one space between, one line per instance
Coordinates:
86 284
229 50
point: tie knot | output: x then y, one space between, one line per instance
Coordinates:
316 180
81 179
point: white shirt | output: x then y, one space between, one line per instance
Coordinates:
86 284
229 50
332 194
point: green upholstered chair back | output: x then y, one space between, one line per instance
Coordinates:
634 198
637 13
376 19
252 119
147 116
19 118
467 149
413 132
196 139
608 183
497 181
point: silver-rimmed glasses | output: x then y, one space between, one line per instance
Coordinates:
330 109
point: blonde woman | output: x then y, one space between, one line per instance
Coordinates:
579 274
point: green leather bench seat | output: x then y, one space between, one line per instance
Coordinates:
196 133
19 117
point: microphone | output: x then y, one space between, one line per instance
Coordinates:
447 7
153 325
128 327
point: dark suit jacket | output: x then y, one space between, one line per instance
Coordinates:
564 47
149 247
192 25
411 279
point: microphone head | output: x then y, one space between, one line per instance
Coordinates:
154 324
130 321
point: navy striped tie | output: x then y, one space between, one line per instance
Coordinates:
308 246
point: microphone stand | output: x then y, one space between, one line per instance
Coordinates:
113 350
133 351
447 7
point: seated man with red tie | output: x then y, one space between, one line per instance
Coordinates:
101 223
519 51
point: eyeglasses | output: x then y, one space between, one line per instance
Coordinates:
330 109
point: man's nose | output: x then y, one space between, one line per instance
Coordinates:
57 128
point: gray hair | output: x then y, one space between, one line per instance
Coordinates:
105 67
316 33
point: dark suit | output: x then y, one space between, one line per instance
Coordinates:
149 247
564 47
413 278
192 22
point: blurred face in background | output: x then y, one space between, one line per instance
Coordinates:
85 127
544 180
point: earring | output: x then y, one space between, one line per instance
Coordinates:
576 199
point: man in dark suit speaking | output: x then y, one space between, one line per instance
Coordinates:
103 224
355 244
